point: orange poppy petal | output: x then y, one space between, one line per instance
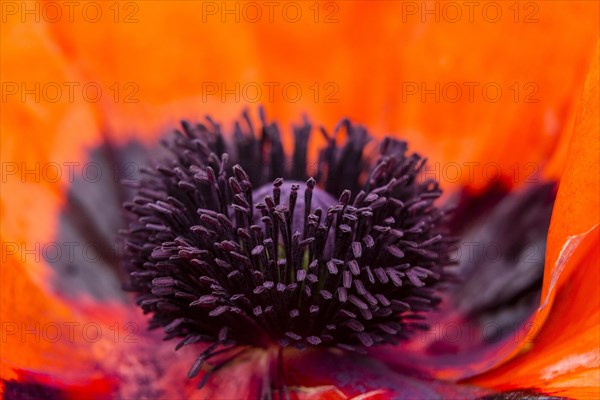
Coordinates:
42 334
42 139
162 63
577 205
183 58
388 56
564 357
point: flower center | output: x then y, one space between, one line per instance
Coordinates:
300 198
287 264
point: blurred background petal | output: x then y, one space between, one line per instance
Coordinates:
357 59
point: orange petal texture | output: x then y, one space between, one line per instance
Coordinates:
356 59
38 136
37 322
563 355
577 207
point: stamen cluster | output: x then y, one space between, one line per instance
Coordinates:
230 246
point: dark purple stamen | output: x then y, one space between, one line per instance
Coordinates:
231 247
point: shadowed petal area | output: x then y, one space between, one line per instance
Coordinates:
90 221
32 386
501 264
14 390
354 375
496 286
561 356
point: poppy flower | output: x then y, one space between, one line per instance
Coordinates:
277 262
